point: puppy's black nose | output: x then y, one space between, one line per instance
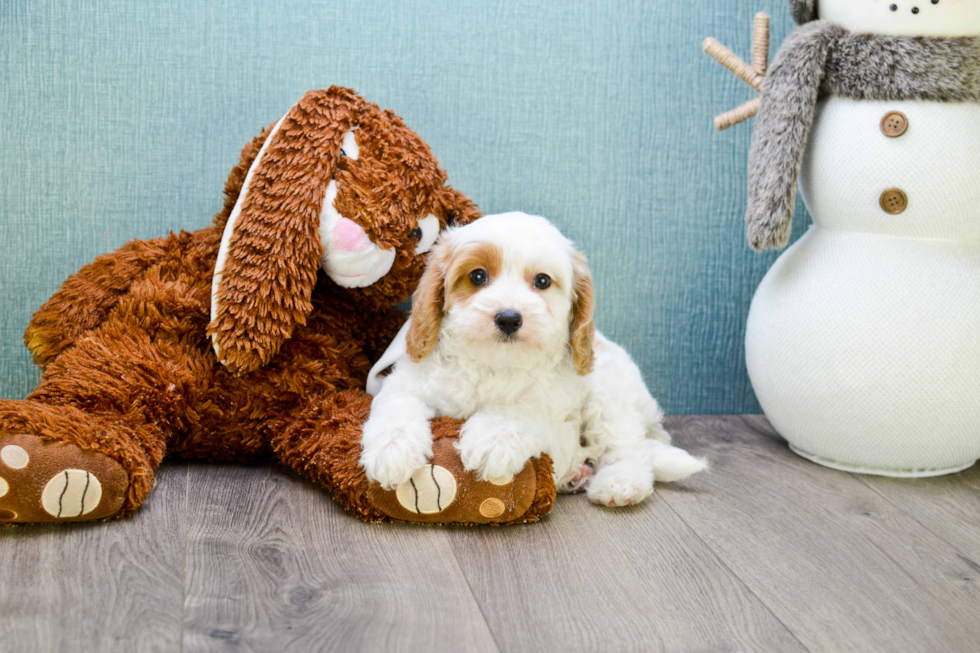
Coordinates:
508 321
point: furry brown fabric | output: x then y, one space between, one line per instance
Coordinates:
265 292
130 371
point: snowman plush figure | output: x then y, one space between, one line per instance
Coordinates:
863 340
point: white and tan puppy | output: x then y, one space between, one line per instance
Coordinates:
501 335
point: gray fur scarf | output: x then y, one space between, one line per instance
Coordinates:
819 59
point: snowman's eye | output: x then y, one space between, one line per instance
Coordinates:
935 2
894 7
915 10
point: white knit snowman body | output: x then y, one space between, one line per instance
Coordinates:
863 340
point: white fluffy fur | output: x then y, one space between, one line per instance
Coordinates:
521 396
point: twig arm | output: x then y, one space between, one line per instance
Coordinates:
738 115
760 44
752 75
732 62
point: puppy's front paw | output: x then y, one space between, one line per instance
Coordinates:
392 452
495 449
624 483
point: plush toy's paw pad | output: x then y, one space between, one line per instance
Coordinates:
431 490
442 492
44 481
620 484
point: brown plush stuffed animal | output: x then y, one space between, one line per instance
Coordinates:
249 338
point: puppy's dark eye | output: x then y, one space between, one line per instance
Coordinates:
416 233
478 277
542 282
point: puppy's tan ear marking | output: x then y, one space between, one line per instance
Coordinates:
427 303
270 254
582 329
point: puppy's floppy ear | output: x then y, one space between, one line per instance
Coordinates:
270 251
427 303
582 329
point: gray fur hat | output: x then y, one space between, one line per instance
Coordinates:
803 10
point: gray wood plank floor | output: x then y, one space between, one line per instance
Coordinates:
767 552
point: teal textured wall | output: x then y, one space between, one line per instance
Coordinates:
121 119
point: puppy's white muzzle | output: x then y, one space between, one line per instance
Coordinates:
350 258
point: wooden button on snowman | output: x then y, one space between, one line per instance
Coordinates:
894 124
863 340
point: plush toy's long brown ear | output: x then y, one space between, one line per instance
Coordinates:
236 178
270 252
427 303
582 330
460 209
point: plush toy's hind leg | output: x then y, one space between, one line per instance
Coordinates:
86 443
58 463
323 442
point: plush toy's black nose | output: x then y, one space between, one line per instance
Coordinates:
508 321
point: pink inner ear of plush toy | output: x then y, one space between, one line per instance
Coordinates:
350 237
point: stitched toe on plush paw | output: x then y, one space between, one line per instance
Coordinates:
45 481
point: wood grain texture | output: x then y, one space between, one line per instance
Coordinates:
595 579
766 552
948 506
839 565
273 564
105 586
